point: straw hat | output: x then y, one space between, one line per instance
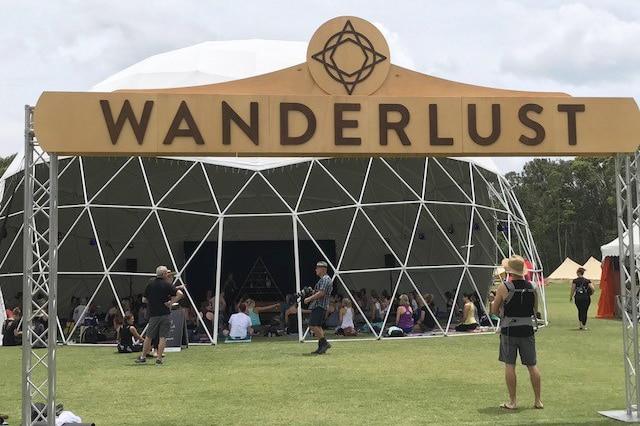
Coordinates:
515 265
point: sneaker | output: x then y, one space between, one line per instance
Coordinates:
159 361
141 360
324 348
3 421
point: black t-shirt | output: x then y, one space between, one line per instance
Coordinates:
8 328
428 320
126 337
158 292
582 287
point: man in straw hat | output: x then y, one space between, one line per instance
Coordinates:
519 300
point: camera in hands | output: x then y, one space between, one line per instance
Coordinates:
304 293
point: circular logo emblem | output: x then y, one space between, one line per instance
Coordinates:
348 55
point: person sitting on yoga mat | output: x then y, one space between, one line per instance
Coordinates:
468 322
239 324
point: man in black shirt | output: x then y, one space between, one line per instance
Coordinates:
159 296
519 301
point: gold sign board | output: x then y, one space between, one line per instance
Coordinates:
347 100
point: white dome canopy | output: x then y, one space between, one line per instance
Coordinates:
214 62
207 63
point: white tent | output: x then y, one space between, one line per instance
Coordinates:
566 270
424 225
593 269
612 248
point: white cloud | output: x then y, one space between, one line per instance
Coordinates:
583 47
400 55
576 44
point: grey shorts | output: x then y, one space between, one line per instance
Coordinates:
510 346
159 326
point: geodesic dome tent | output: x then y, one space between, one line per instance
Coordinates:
423 225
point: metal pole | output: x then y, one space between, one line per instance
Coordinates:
39 281
627 218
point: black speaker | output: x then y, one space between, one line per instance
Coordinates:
132 265
389 261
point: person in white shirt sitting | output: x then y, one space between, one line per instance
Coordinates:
239 325
79 311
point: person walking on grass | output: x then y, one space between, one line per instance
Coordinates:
581 291
159 295
319 303
519 300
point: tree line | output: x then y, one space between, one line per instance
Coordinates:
570 206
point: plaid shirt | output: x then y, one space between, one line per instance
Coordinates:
324 283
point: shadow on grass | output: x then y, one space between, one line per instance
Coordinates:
497 410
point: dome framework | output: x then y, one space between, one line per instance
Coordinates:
400 225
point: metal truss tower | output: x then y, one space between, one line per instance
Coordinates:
40 265
628 217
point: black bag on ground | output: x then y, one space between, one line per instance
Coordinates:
89 335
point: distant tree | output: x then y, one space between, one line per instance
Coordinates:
4 163
570 206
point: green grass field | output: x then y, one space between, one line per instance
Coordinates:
436 381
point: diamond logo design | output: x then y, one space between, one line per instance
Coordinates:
349 57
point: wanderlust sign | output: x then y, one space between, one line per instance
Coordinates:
348 99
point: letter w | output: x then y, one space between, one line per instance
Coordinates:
126 114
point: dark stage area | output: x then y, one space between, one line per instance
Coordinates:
262 270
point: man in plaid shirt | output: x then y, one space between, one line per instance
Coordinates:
319 303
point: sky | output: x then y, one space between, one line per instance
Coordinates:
583 48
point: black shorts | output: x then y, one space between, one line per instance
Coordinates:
316 317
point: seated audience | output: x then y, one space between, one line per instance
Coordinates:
239 324
469 322
332 314
254 312
404 314
413 301
376 308
426 320
11 329
126 333
79 311
143 316
347 327
206 315
291 318
487 320
450 303
190 318
385 304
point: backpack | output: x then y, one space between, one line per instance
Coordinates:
582 290
89 335
395 332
